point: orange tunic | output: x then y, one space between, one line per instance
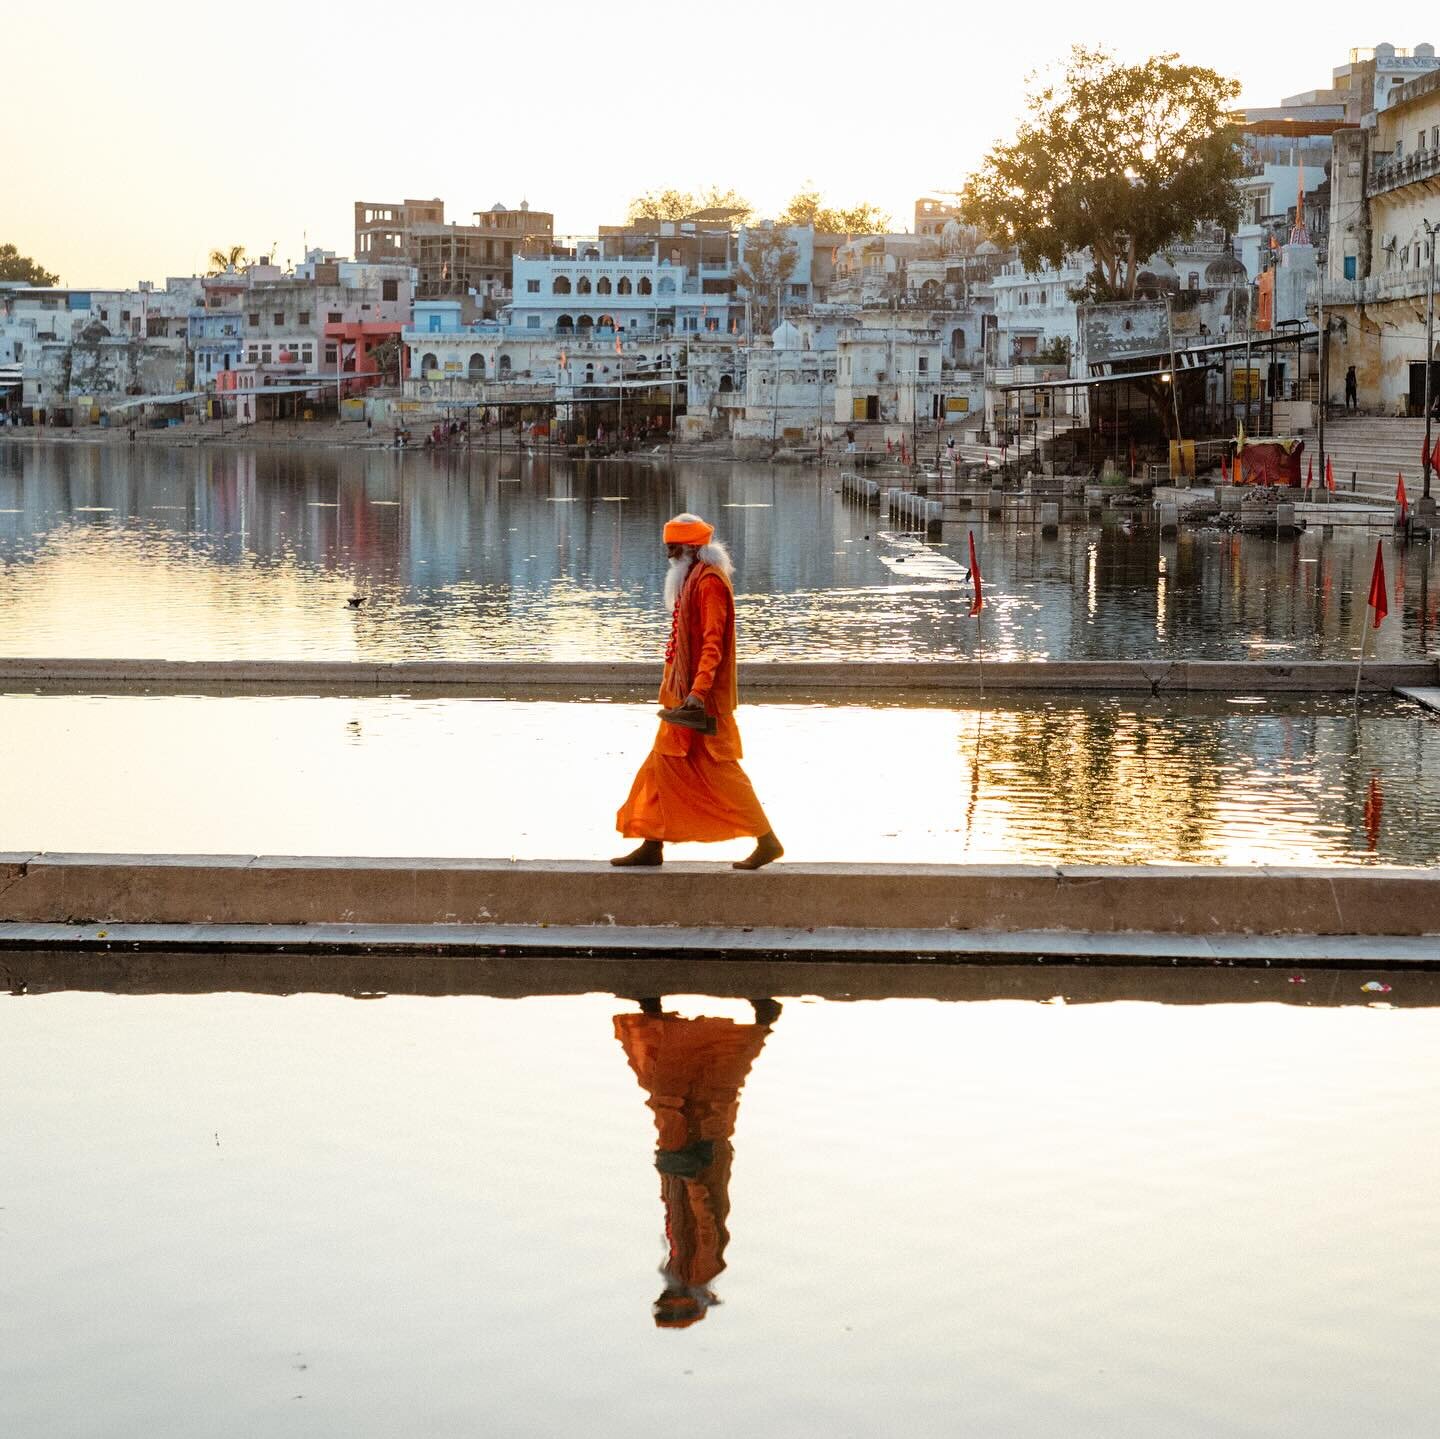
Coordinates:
692 1071
691 786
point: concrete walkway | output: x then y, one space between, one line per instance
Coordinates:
894 910
758 679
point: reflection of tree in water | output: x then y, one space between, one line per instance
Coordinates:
1118 783
693 1071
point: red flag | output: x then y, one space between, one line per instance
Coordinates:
1435 458
1400 496
1224 471
1376 599
1329 475
1310 473
978 603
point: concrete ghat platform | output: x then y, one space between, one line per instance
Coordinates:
758 679
581 906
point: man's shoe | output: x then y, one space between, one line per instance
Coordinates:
692 718
649 853
767 848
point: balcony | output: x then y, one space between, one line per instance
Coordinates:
1402 285
1411 169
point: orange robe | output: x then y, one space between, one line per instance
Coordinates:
691 786
693 1071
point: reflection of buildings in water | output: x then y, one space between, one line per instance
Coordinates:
693 1071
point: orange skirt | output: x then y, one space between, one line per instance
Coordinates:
691 797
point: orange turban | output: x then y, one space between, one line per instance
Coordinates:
688 532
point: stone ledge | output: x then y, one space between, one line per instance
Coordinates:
685 898
757 678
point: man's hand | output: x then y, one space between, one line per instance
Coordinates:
693 702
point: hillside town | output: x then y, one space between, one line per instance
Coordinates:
763 338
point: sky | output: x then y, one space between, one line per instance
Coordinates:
145 135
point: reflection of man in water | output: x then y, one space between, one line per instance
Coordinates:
693 1070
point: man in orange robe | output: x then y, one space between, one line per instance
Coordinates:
691 786
693 1071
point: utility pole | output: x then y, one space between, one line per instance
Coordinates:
1324 345
1432 233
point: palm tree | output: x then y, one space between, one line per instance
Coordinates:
231 259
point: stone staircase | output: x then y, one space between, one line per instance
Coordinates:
1374 449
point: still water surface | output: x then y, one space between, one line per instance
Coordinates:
237 1215
191 553
1012 779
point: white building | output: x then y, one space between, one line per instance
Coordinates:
887 374
1034 314
596 290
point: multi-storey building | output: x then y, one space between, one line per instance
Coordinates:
1385 191
598 285
449 259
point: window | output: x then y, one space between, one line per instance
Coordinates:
1420 141
124 315
279 317
303 318
330 354
254 355
532 287
335 317
253 319
532 322
924 364
264 352
389 289
797 292
307 353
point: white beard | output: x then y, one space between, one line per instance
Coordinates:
675 574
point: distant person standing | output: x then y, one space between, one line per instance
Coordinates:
1352 390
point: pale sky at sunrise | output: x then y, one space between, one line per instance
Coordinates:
144 135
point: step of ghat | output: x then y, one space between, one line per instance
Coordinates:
178 889
759 680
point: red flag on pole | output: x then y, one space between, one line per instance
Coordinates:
1224 471
978 603
1435 458
1400 496
1310 473
1329 475
1377 600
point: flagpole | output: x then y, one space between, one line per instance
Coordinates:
1364 635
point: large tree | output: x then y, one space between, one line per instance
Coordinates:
681 204
15 266
769 261
807 208
1122 160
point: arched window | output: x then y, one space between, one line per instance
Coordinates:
727 385
428 362
957 343
565 323
504 366
590 374
624 287
560 285
586 322
477 367
667 285
644 284
602 285
582 285
605 322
